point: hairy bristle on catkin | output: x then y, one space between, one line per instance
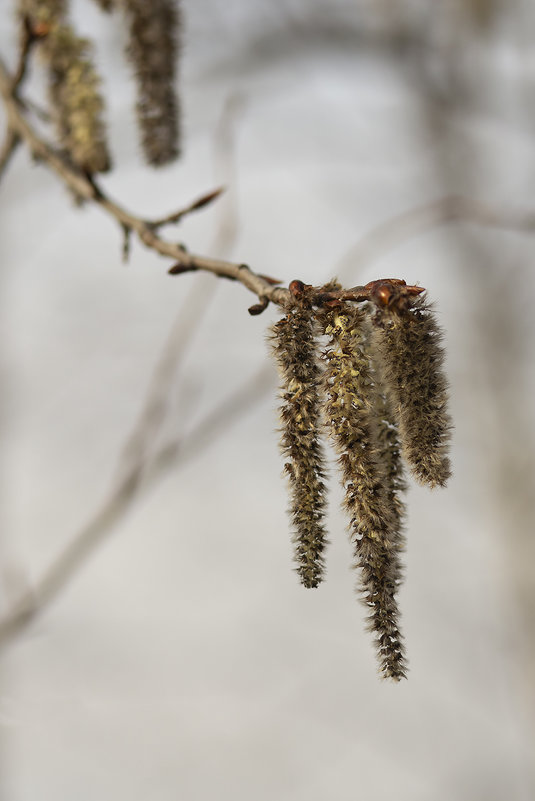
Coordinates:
409 346
351 415
153 47
294 345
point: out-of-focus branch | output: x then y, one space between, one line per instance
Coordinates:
195 306
152 414
140 478
28 38
86 188
453 208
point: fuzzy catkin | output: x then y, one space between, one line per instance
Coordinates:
293 339
74 91
74 85
153 44
351 412
408 344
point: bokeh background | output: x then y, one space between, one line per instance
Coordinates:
183 659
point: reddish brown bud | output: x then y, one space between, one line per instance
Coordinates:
296 288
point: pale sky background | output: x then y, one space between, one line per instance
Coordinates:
184 661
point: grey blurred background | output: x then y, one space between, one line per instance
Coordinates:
183 660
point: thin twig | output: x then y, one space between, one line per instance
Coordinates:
198 204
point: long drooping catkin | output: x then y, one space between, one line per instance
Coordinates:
351 414
74 85
153 43
295 348
408 343
74 91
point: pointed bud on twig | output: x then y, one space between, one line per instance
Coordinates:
178 269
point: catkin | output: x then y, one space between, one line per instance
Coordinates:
74 91
153 43
408 344
74 85
351 414
294 345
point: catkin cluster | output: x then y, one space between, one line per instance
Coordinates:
370 379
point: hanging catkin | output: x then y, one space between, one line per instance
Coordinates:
295 348
351 414
408 342
153 45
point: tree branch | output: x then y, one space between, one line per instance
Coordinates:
86 188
